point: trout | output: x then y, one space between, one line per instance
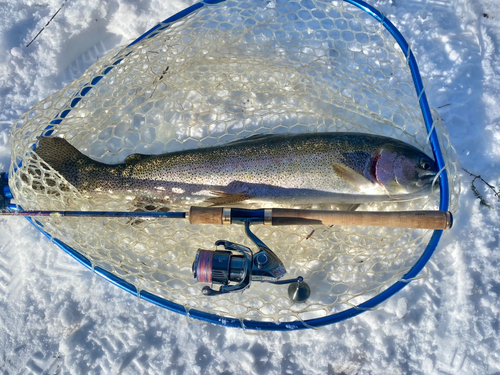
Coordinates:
343 168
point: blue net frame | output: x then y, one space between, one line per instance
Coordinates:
285 326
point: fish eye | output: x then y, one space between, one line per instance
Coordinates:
425 165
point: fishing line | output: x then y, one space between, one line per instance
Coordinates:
203 271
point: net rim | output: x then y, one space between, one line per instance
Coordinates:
300 324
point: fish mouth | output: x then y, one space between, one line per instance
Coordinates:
426 178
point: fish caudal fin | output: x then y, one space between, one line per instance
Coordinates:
56 151
61 156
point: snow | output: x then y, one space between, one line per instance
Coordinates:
56 317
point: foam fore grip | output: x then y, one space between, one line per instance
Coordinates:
403 219
205 215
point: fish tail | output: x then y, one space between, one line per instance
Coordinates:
63 157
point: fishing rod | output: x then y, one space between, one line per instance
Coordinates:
439 220
235 267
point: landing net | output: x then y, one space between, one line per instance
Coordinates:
212 74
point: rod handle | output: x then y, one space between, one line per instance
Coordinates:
283 216
206 215
404 219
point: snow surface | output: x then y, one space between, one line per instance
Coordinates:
56 317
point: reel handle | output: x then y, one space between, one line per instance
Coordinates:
283 216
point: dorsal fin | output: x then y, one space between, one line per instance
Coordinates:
134 158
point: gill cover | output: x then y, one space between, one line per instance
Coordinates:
403 170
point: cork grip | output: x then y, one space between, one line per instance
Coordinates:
205 215
405 219
282 216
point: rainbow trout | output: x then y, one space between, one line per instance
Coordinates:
344 168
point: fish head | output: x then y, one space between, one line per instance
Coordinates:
404 169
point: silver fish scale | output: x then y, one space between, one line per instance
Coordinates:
287 162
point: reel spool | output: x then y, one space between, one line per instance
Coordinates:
218 267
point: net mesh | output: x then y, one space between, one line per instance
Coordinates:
225 72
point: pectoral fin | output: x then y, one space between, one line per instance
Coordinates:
351 176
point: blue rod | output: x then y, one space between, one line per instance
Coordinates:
13 210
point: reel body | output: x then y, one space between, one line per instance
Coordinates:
235 272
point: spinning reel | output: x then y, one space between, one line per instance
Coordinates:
237 266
